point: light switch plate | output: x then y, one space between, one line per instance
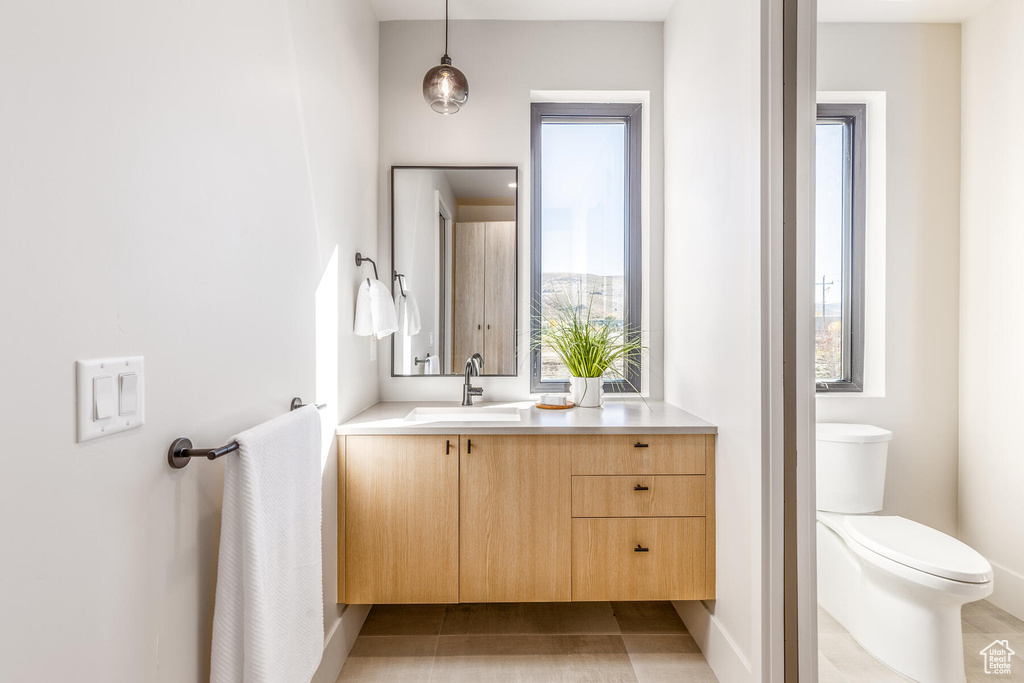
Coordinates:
87 373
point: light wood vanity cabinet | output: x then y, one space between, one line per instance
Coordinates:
499 518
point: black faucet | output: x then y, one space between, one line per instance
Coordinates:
474 364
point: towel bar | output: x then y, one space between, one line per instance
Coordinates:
181 452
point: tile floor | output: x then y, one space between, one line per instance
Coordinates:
842 660
598 642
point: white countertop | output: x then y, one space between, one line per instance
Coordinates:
629 416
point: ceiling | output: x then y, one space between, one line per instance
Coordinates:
920 11
482 183
526 10
939 11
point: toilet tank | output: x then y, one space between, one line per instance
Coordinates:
850 464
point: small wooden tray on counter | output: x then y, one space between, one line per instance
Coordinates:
568 404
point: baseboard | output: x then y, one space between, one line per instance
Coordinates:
1008 592
721 653
339 643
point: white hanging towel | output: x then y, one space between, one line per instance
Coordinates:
375 311
433 365
268 614
408 312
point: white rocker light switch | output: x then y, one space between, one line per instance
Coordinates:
128 392
102 398
111 396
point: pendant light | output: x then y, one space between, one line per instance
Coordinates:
445 88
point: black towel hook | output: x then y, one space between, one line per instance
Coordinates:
395 275
359 261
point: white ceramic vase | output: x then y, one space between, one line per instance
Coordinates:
586 392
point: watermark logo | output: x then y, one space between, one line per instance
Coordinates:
997 657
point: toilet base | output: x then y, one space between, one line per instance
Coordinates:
908 620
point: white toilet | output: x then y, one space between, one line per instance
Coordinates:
897 586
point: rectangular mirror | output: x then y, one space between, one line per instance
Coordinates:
454 247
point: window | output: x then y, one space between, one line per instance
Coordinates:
839 248
585 225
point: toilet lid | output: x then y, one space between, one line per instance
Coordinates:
850 433
918 546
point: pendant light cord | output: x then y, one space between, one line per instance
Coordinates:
446 28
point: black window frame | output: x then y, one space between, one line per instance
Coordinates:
853 117
631 115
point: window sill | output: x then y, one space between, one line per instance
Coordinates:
847 394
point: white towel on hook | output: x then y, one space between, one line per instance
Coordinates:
433 365
375 311
268 613
408 312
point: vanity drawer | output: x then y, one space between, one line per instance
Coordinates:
639 454
638 559
638 496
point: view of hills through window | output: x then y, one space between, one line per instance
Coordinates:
829 285
583 216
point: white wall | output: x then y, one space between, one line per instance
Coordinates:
918 68
335 54
174 179
712 268
991 291
504 61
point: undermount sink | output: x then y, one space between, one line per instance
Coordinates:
467 414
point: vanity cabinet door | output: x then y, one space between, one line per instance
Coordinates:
515 519
402 519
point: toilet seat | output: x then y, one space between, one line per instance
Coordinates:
913 545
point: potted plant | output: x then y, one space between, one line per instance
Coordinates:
591 349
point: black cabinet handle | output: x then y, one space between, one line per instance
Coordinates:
638 487
640 549
641 445
447 447
469 446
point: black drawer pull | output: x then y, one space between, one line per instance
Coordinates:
640 549
641 445
638 487
469 446
447 447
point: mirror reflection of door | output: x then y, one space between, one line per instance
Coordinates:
454 239
484 319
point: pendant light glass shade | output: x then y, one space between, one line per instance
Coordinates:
445 88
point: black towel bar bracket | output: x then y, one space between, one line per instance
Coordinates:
400 278
359 261
181 451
